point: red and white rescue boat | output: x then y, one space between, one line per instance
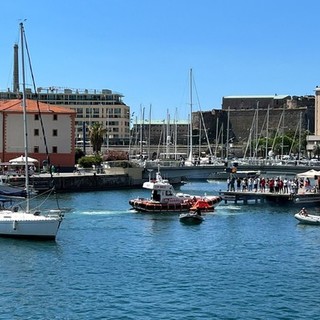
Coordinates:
164 199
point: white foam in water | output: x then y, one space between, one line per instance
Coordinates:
103 212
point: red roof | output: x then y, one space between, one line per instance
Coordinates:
15 105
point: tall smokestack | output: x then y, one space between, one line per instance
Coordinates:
15 69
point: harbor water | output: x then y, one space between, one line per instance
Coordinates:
249 261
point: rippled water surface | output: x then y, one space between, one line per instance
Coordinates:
243 262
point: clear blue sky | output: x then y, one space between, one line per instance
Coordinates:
144 49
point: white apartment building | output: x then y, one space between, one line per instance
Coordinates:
105 107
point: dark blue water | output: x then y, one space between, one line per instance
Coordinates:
242 262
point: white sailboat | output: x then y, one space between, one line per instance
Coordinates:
27 223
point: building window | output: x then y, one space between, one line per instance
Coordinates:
35 149
55 132
36 132
55 117
36 117
54 149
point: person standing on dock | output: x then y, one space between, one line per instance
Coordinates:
276 185
238 184
255 184
280 183
271 185
285 185
294 187
244 185
263 184
232 183
228 184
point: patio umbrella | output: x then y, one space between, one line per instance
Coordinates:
22 160
311 174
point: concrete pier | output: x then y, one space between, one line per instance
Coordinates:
244 197
116 178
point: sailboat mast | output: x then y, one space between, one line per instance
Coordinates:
24 106
228 138
175 134
168 136
217 139
299 153
267 133
190 126
141 130
149 133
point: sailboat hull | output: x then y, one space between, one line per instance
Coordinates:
28 226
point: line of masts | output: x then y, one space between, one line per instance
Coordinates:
253 135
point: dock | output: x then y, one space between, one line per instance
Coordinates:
245 197
86 180
115 178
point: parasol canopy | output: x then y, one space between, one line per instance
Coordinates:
311 174
22 160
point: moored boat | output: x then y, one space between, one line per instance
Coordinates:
164 199
29 225
17 221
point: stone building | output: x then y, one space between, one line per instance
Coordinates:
244 116
266 101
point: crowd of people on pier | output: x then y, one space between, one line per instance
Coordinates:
273 185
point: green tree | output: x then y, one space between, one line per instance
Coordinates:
96 134
89 161
78 154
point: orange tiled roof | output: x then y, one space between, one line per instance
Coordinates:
15 105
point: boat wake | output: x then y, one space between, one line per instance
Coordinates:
230 207
103 212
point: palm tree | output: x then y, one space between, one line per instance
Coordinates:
96 134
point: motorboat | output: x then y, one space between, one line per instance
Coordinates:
306 218
165 199
191 217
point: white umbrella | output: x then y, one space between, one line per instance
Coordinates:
22 160
309 174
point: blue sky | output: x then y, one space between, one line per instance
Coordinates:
144 49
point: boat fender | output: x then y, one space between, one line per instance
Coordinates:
15 225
